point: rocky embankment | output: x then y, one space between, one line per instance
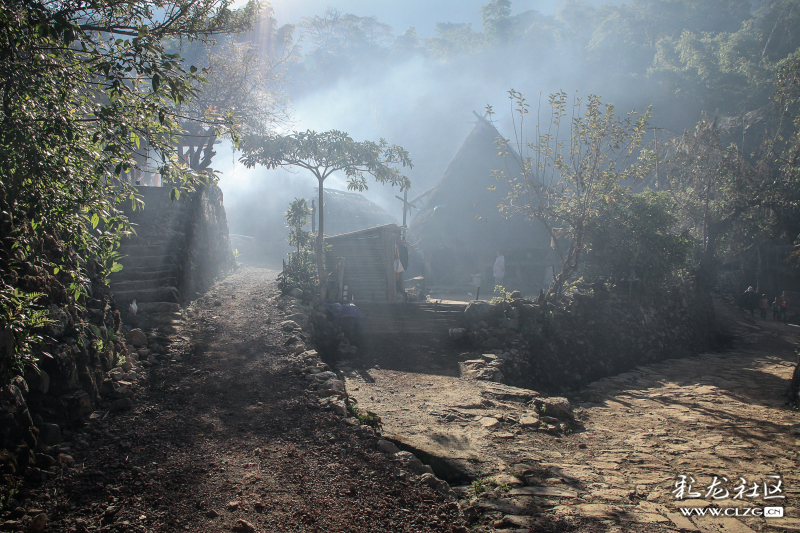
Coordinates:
219 430
590 336
615 466
310 320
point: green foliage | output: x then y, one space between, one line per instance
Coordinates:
242 80
365 419
561 179
634 238
103 337
300 272
483 484
496 18
503 296
89 92
9 488
24 320
296 218
454 39
340 39
322 154
719 71
713 188
478 486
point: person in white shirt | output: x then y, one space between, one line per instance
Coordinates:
499 269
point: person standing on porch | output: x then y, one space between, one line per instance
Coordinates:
783 307
499 269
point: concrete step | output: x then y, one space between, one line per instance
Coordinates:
153 238
138 284
161 294
150 249
157 308
155 262
141 273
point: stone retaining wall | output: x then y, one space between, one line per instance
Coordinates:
81 369
592 336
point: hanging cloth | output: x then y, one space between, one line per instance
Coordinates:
398 265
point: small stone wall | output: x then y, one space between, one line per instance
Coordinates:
208 252
81 370
562 350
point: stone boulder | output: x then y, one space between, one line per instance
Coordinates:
478 311
410 462
136 337
49 434
289 325
556 407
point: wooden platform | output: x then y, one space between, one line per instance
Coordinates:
423 318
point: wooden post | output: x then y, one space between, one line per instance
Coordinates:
340 278
658 176
406 209
658 180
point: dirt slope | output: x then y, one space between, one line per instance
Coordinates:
228 434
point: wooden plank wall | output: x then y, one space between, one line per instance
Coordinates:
365 265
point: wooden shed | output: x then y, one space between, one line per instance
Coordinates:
368 254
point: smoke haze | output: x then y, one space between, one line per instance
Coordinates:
420 102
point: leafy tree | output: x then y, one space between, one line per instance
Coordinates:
242 82
454 40
635 238
721 73
562 178
496 18
343 42
322 154
727 203
83 86
296 219
408 43
301 270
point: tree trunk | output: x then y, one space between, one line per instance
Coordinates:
321 245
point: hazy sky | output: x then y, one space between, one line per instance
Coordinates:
422 14
421 104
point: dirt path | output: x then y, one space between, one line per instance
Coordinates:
224 437
712 415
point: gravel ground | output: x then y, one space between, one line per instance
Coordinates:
229 440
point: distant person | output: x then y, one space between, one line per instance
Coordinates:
775 309
763 305
499 269
783 307
750 300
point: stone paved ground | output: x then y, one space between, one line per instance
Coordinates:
711 415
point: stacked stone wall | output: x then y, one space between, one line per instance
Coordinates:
561 349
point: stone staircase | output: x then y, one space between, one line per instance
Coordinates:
152 264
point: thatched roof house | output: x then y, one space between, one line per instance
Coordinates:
460 229
346 212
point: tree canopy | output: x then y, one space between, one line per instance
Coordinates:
324 153
89 91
